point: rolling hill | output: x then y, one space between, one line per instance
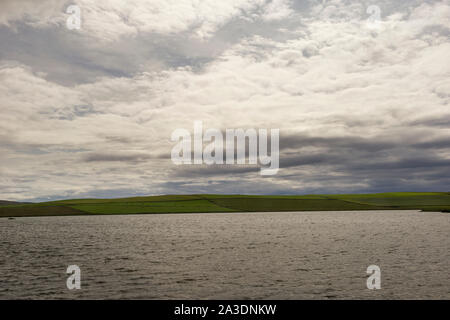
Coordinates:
431 201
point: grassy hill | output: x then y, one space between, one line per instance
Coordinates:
432 201
10 203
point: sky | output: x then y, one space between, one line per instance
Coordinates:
358 89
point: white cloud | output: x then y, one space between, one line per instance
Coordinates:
110 20
277 9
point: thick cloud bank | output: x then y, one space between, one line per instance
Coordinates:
361 99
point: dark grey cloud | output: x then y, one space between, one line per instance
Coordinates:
352 142
191 171
441 122
69 58
116 157
337 164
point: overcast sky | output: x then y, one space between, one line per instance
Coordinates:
362 103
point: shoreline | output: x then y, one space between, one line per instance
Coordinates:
215 212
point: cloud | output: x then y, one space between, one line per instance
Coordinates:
36 13
277 9
359 109
115 19
120 157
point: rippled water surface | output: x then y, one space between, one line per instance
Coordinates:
305 255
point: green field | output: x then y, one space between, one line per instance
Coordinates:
431 201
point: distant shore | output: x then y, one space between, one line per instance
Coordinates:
209 203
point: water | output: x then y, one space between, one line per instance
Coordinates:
306 255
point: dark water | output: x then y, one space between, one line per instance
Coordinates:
228 256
